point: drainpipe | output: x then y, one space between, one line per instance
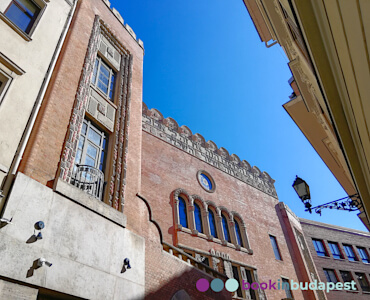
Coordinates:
32 119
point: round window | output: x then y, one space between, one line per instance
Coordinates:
206 181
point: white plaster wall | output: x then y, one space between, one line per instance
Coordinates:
34 58
86 249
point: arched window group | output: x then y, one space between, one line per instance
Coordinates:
203 218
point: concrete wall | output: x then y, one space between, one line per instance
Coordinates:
33 56
86 249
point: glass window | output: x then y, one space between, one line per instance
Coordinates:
346 276
91 149
23 13
361 277
182 213
212 223
225 226
319 247
363 254
334 248
198 218
238 234
237 278
275 247
350 254
103 77
286 287
330 275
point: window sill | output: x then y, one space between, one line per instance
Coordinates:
90 202
326 257
351 261
24 35
104 96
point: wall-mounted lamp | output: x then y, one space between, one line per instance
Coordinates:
39 226
42 261
6 221
126 263
349 203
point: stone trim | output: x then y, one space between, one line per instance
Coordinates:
183 139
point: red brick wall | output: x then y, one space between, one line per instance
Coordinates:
166 168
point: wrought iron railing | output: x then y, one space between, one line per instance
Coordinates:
90 180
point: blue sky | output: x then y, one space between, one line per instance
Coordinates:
206 67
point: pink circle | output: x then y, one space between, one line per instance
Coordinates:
202 285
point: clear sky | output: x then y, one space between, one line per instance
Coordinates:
206 67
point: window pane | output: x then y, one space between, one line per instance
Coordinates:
92 151
94 136
350 254
335 250
102 86
286 287
182 213
81 142
238 235
319 247
237 278
89 161
111 88
361 277
93 79
363 254
104 70
212 223
84 128
275 247
30 8
18 17
198 218
78 156
330 275
226 229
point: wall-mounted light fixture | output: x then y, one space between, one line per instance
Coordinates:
126 263
348 203
42 261
38 226
6 221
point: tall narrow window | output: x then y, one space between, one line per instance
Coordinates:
363 254
198 218
334 248
275 247
239 239
212 223
330 275
286 287
103 77
23 13
226 229
319 247
350 254
182 213
237 278
346 276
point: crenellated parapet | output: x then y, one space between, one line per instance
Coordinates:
181 137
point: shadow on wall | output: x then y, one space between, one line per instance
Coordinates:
183 287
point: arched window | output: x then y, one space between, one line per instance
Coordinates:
239 239
182 213
212 223
198 218
226 229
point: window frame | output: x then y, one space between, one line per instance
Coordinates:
274 244
328 277
95 78
225 217
196 204
351 277
351 258
285 281
338 255
365 288
366 254
41 5
182 200
5 80
318 251
212 211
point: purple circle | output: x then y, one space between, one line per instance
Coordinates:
202 285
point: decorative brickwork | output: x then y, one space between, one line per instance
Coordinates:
182 138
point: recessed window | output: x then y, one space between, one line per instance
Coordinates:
206 181
350 253
198 218
239 239
361 277
330 275
363 254
275 247
225 227
319 247
286 287
23 14
103 77
334 248
4 84
212 223
346 276
182 213
237 278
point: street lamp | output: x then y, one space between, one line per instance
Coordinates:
349 203
303 190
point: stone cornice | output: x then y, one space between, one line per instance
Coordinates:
194 144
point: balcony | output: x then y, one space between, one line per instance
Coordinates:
90 180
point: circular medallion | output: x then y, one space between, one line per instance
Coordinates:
206 181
